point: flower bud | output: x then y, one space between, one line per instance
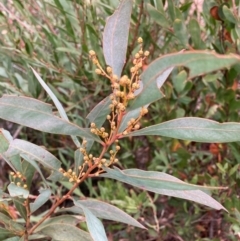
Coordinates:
109 70
140 40
146 53
92 53
98 71
137 55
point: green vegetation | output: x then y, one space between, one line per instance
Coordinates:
144 108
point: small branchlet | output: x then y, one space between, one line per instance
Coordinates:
123 91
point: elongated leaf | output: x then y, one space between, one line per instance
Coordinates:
64 219
34 164
198 63
41 199
194 129
99 113
33 152
164 184
158 16
16 191
156 93
38 115
180 31
129 115
5 138
4 196
229 14
195 32
68 50
28 172
4 233
11 225
15 161
104 210
12 239
63 232
19 203
136 112
95 226
158 180
56 102
115 36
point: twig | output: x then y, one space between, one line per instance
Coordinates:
135 36
234 8
28 219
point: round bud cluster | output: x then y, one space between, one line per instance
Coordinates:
109 70
123 81
92 53
140 40
131 122
18 179
98 71
99 132
146 53
133 69
135 86
137 126
121 107
114 78
118 148
70 174
137 56
143 111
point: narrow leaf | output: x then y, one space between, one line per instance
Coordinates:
4 233
19 204
34 164
28 172
198 63
115 36
56 102
41 199
104 210
63 232
129 115
64 219
180 31
164 184
12 239
5 138
34 152
158 16
11 224
229 14
16 191
99 113
38 115
195 32
156 94
95 226
194 129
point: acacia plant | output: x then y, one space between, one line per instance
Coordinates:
116 117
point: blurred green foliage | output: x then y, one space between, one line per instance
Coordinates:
54 37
